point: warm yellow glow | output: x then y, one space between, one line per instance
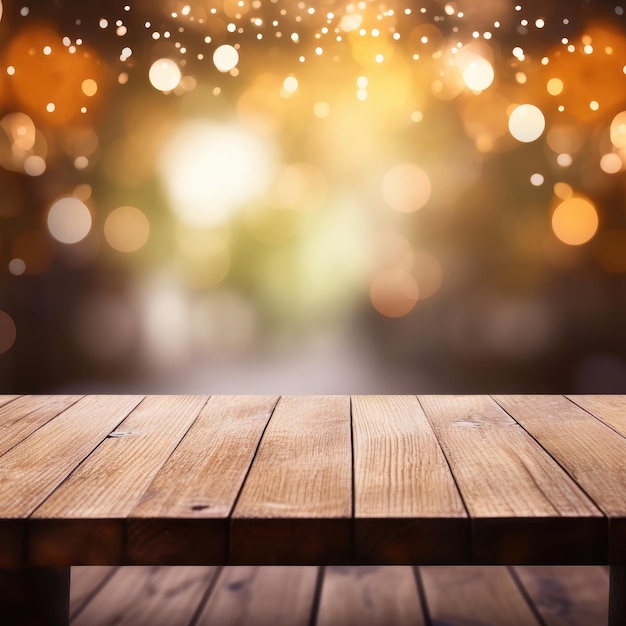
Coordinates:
478 74
563 190
321 109
225 58
290 84
394 293
89 87
34 165
611 163
20 129
526 123
164 75
69 220
406 187
618 130
554 86
575 221
126 229
8 332
211 170
203 259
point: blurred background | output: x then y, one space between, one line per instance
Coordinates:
299 196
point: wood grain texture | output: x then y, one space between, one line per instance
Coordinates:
183 515
407 506
148 596
607 408
525 509
257 596
586 448
6 398
24 415
30 471
567 596
369 596
86 513
480 596
300 482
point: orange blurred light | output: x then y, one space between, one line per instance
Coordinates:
575 221
50 82
394 293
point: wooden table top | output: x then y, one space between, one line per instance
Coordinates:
312 479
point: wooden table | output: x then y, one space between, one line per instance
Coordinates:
305 480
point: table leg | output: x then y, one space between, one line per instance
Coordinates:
35 596
617 596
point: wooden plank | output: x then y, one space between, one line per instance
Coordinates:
484 596
588 450
183 515
6 398
86 582
296 504
567 596
256 596
147 596
369 596
26 414
30 471
525 509
407 506
86 514
609 409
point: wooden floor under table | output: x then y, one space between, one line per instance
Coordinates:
339 596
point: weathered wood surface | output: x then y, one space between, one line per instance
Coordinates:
369 596
296 503
32 470
589 451
485 596
406 505
148 596
85 515
524 507
312 480
86 582
256 596
566 596
183 515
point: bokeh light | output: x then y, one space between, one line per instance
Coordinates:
8 332
225 58
437 189
575 221
394 293
406 187
526 123
478 74
164 75
618 130
126 229
69 220
210 170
